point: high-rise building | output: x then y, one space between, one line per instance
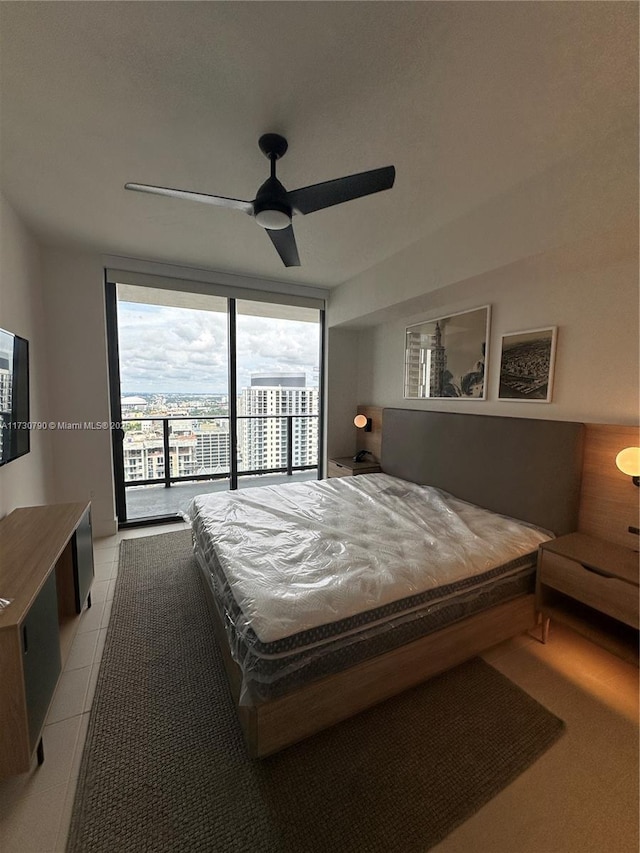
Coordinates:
5 398
262 441
212 447
425 363
415 372
144 456
438 365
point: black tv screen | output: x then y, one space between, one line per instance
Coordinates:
14 397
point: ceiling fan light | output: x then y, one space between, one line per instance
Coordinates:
274 220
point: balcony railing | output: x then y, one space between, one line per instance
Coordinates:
161 450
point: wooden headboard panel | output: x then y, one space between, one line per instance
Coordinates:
609 502
528 469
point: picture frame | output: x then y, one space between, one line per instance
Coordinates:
527 362
446 357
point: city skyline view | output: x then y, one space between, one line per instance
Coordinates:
177 421
276 428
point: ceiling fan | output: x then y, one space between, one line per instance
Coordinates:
274 206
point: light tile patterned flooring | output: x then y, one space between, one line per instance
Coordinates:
580 796
35 807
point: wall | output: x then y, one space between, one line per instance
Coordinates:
75 306
342 397
560 248
26 481
589 292
591 194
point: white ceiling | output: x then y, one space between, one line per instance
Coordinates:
465 99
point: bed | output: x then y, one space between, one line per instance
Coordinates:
328 597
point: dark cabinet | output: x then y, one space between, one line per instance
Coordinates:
46 571
83 561
41 662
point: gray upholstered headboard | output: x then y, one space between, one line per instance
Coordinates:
528 469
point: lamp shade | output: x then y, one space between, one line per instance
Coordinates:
360 421
628 461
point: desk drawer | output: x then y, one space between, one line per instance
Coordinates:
609 595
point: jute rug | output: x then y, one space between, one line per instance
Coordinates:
165 768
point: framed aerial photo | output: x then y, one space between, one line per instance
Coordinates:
526 365
446 357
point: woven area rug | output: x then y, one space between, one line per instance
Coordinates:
165 768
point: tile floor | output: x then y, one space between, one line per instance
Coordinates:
35 807
580 796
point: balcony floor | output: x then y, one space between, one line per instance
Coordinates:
147 502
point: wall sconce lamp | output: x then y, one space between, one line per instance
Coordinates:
628 461
363 422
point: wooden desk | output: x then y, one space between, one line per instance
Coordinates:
46 572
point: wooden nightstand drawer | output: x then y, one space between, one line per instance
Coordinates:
336 470
344 466
609 595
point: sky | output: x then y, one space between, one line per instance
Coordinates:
180 350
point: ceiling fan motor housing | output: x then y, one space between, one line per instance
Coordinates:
270 207
273 146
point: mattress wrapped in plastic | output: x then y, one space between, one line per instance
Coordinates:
312 577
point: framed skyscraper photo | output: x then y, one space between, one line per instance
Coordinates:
526 365
446 356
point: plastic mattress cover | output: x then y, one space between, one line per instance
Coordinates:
302 555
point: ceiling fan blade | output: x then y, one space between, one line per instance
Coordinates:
319 196
220 201
285 243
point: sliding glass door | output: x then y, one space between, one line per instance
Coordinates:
212 393
277 373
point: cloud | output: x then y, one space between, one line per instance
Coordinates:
173 350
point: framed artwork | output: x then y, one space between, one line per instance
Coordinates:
446 357
526 365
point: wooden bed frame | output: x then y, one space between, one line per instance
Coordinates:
274 724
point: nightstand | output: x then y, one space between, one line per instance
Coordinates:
591 585
344 466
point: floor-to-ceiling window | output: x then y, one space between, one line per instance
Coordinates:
277 374
212 393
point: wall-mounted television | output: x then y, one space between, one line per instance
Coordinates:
14 397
